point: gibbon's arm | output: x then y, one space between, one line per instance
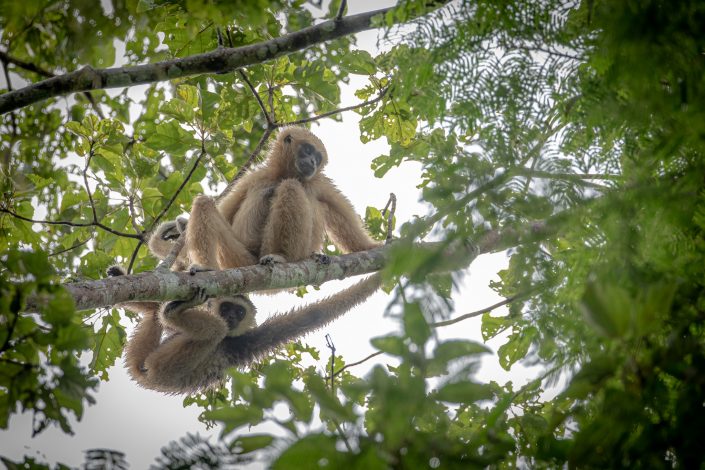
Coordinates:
343 225
231 202
282 328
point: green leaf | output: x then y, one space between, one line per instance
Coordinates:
393 345
415 325
358 62
108 344
247 444
516 347
232 417
307 452
464 392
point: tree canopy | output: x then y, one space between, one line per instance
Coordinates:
566 133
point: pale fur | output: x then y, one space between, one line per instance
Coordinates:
275 212
161 247
199 347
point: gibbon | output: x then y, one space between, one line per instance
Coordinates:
277 213
205 340
162 239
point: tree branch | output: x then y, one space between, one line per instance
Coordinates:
218 61
70 224
162 286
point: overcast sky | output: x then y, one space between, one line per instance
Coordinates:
139 422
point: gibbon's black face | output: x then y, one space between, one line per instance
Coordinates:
308 159
238 313
170 231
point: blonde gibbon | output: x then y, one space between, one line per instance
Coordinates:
204 338
163 238
277 213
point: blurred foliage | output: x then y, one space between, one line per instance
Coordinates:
586 118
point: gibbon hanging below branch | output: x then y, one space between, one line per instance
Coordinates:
204 338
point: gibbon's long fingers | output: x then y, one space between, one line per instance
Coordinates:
210 241
145 339
343 225
280 329
289 228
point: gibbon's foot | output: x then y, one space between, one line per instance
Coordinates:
200 297
181 223
116 270
197 268
321 258
270 260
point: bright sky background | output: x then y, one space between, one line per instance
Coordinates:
139 422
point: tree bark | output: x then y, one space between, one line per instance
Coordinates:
218 61
168 285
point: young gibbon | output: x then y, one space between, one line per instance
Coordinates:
162 240
277 213
207 339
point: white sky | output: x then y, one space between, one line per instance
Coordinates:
139 422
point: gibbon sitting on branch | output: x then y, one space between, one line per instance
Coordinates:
278 213
205 338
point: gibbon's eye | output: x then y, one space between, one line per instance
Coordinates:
308 149
288 139
232 313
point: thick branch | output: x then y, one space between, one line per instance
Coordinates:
161 286
217 61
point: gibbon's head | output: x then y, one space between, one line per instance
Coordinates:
163 237
237 311
301 154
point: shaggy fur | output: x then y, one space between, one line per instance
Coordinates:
278 212
200 344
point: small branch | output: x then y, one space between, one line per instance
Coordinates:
246 166
133 215
217 61
337 111
5 57
341 10
181 187
69 224
13 118
474 314
272 126
331 346
392 206
252 88
134 255
352 364
567 176
170 259
85 182
76 245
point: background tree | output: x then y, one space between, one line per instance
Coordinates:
572 134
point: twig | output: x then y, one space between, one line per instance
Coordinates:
338 111
331 346
134 255
252 88
85 182
133 215
341 10
474 314
70 224
246 166
181 187
392 206
272 126
13 118
352 364
76 245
